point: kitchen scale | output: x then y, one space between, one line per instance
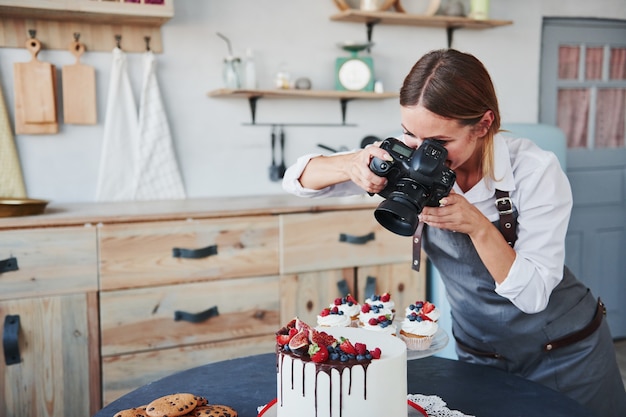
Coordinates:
354 73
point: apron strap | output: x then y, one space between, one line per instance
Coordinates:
508 224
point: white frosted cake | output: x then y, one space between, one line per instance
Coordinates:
318 382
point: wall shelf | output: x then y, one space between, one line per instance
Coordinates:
343 96
96 21
450 23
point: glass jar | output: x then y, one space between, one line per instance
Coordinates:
232 72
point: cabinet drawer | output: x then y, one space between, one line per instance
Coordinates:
48 261
145 318
142 254
318 241
124 373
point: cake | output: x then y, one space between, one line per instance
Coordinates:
332 317
362 373
424 307
417 330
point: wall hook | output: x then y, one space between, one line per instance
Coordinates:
147 39
76 36
118 41
32 33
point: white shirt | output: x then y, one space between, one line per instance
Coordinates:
541 194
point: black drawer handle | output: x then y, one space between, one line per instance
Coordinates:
356 240
370 287
9 264
10 340
196 317
342 286
194 253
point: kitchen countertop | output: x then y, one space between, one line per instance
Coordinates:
78 214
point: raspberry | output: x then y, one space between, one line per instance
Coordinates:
360 348
375 353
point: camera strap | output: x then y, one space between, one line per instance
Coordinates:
508 227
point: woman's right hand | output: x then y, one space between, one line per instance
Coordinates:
325 171
359 171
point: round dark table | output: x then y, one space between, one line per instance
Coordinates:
250 382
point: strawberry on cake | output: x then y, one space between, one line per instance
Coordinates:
337 372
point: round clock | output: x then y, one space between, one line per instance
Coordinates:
354 74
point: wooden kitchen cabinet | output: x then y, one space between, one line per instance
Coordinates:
182 293
50 286
105 291
323 251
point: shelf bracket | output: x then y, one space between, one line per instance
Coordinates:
344 108
252 101
369 29
450 32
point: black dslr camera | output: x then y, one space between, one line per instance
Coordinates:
415 178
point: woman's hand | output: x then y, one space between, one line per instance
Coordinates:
456 214
359 170
324 171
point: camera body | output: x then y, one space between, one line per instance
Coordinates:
415 178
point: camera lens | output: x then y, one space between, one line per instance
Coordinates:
399 217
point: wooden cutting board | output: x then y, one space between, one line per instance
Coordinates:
79 90
35 94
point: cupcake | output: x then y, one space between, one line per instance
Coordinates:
383 324
425 308
384 299
418 331
373 311
332 317
349 306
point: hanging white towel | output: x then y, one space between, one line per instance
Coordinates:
158 176
118 160
11 180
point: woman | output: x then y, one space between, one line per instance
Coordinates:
515 306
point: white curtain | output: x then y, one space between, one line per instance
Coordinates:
574 104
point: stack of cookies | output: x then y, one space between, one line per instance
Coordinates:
179 405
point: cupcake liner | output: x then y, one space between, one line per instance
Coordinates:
415 342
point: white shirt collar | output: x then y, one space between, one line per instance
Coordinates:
503 173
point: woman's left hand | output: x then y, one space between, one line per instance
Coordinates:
455 213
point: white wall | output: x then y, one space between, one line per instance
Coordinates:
221 157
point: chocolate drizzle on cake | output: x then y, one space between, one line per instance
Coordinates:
327 368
